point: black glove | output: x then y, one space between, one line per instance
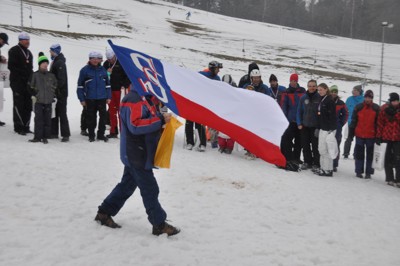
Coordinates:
378 141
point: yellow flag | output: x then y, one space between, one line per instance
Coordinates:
162 158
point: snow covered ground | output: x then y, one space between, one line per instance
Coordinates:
231 211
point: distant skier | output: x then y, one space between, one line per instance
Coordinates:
188 14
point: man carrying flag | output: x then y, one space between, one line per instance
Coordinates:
141 123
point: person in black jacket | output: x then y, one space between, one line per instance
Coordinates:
20 64
246 78
307 122
327 125
119 82
59 69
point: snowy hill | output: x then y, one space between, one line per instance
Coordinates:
231 211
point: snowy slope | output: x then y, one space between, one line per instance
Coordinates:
231 211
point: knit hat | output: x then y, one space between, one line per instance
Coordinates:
42 58
95 54
359 88
23 36
110 54
369 94
294 77
334 89
272 78
393 96
56 48
4 37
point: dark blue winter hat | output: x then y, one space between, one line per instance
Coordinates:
56 48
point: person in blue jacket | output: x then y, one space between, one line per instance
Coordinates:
351 103
291 141
342 115
212 73
94 93
275 90
256 83
141 123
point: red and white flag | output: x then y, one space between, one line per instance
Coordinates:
253 119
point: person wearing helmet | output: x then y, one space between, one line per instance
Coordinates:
246 78
256 83
212 73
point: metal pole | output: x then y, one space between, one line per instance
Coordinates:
383 47
22 14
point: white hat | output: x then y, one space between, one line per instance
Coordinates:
95 54
110 54
23 36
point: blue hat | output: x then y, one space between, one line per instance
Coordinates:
56 48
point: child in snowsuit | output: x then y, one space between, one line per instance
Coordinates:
43 86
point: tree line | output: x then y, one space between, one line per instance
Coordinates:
359 19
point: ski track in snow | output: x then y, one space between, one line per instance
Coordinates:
231 211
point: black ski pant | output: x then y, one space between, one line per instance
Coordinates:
94 106
392 161
291 143
84 125
338 137
309 143
189 133
22 107
347 145
42 120
61 119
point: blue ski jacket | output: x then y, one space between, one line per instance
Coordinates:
93 83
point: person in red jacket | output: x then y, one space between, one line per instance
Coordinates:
389 132
363 126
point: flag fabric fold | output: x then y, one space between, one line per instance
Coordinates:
252 119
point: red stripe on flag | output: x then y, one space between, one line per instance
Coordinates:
260 147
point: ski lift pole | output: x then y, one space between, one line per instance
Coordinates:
30 16
68 23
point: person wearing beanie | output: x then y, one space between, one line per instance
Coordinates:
389 132
363 127
275 90
43 89
60 121
119 84
94 93
351 102
342 115
291 140
20 64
